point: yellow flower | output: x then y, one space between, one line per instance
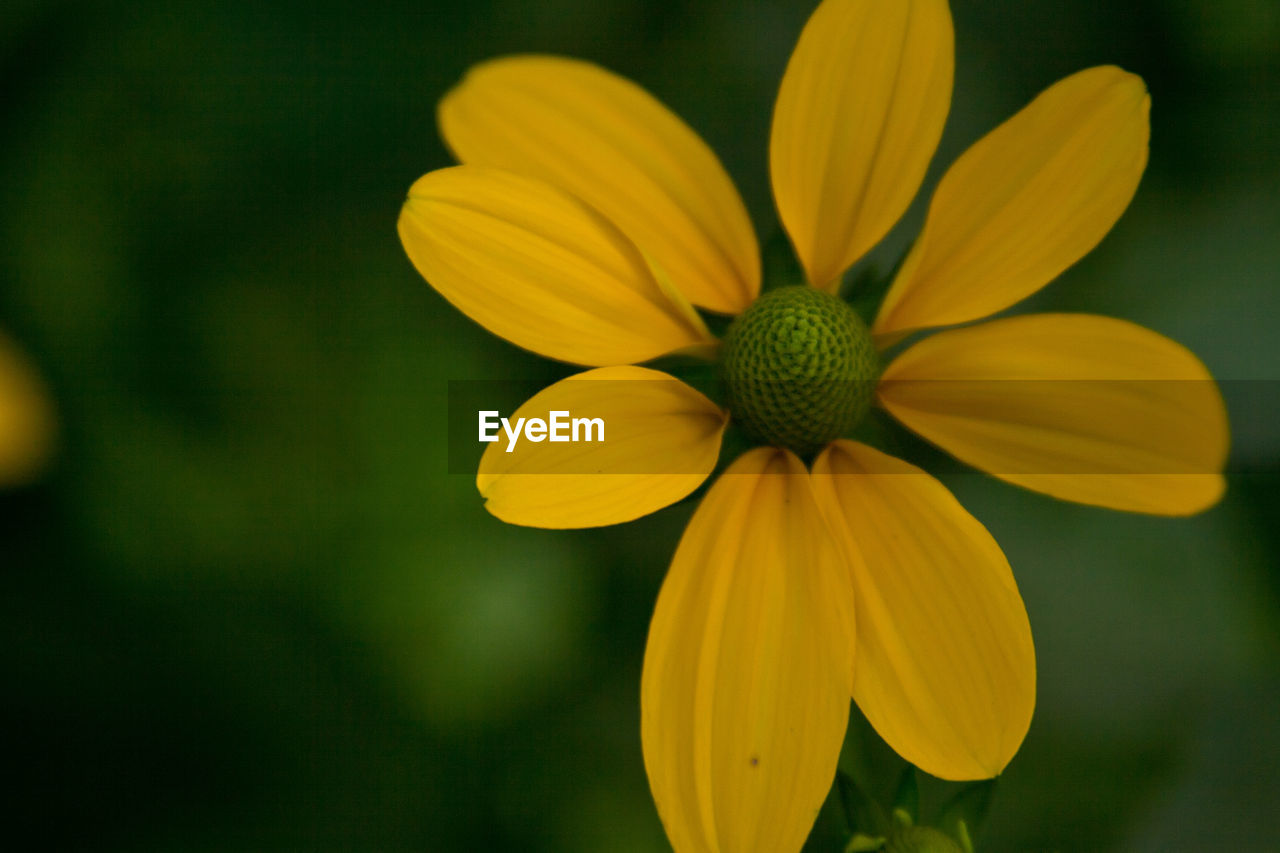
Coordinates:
26 418
587 220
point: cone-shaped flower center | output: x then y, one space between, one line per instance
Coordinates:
800 368
921 839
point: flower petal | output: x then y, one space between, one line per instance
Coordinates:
660 441
615 146
1085 408
1025 202
745 693
536 266
946 670
858 117
27 423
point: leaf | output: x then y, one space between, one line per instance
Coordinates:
906 800
963 815
861 843
866 817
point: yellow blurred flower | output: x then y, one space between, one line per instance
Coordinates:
27 423
586 222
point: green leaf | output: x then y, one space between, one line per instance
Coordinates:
862 843
963 815
865 288
907 798
780 264
866 817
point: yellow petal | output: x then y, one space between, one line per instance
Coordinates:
660 441
27 423
1027 201
858 117
747 672
613 145
1085 408
538 267
946 671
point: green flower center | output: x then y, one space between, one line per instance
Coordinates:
921 839
800 368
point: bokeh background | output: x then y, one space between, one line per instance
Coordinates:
247 608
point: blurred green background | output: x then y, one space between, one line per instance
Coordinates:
248 609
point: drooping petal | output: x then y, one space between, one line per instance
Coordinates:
747 672
536 266
27 423
1085 408
1025 202
657 440
945 669
859 114
615 146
